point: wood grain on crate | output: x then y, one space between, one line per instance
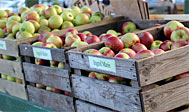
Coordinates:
185 110
48 76
13 88
82 106
12 68
167 97
51 100
114 96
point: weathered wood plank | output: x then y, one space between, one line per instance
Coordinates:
48 76
82 106
185 110
167 97
114 96
163 66
13 88
12 68
51 100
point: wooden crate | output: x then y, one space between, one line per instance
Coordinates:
143 72
170 16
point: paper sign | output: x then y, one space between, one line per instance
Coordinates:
3 45
102 64
42 53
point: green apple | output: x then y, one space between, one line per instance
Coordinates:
55 40
67 16
44 28
128 27
81 19
16 18
23 9
129 39
78 44
16 28
61 65
36 34
2 34
42 17
2 24
36 25
156 44
58 9
55 21
23 15
10 78
3 14
10 24
3 76
98 13
75 11
67 10
113 32
95 19
27 27
19 81
23 35
37 43
10 36
67 24
86 9
51 11
43 22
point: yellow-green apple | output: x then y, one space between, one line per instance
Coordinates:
114 43
58 9
49 89
82 36
138 47
113 32
55 22
40 86
72 31
16 18
23 9
44 36
87 33
75 11
104 37
129 39
61 65
106 51
23 35
16 28
10 36
146 38
10 78
128 51
86 9
98 13
49 45
41 62
102 76
122 55
166 45
95 19
3 14
36 34
67 24
156 44
178 43
128 27
44 6
38 8
144 53
183 75
79 43
93 51
117 80
8 57
37 43
55 40
50 12
92 75
9 25
71 39
3 76
23 15
92 39
32 15
43 22
27 26
2 24
2 34
44 28
36 24
57 90
54 64
55 30
170 27
67 16
18 80
158 51
181 33
81 19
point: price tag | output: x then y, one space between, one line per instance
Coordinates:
3 45
42 53
102 64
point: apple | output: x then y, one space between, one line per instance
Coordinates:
3 76
66 93
122 55
98 13
18 80
101 76
170 27
178 43
40 86
81 19
104 37
3 14
71 39
78 44
57 90
72 31
166 45
22 9
128 51
16 28
106 51
38 8
63 39
144 53
75 11
5 30
157 25
58 9
95 19
41 62
129 39
2 24
9 25
43 22
2 34
55 21
54 63
86 9
12 14
36 25
113 32
93 51
114 43
8 11
87 33
92 39
183 75
92 75
128 27
158 51
51 11
8 57
27 27
23 15
61 65
10 78
82 36
49 45
10 36
23 35
49 89
117 80
44 28
44 36
139 47
37 43
32 15
67 24
156 44
16 18
146 38
67 16
181 33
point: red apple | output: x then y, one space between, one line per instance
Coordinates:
33 15
144 53
41 62
66 93
57 90
56 41
106 51
92 39
72 31
44 36
49 45
166 45
122 55
128 27
86 9
102 76
157 25
158 51
129 39
104 37
146 38
87 33
178 43
82 36
114 43
183 75
128 51
93 51
70 39
92 75
138 47
181 33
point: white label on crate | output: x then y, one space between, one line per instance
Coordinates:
102 64
42 53
3 45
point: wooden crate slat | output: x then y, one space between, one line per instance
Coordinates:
167 97
82 106
13 88
114 96
51 100
11 48
48 76
12 68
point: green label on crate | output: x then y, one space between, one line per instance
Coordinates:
102 64
3 45
42 53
